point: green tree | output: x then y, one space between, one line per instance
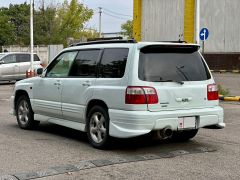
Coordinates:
14 22
19 16
127 29
70 20
6 30
44 31
51 25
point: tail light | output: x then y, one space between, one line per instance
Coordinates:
212 92
41 64
141 95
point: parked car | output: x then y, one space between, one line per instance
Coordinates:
122 89
13 65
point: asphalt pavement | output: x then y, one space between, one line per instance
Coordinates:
60 153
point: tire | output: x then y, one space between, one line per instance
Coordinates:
24 113
182 136
98 127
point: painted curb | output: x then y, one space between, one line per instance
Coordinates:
229 98
226 71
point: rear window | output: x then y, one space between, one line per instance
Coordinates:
165 63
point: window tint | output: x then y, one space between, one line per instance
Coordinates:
23 57
113 62
163 64
61 65
85 64
36 58
9 59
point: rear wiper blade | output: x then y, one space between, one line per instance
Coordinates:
179 82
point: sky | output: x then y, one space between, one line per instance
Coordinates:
115 12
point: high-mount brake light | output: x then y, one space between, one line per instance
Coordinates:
141 95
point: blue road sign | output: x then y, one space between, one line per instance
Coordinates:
204 33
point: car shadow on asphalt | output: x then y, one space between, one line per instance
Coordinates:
140 144
7 82
64 132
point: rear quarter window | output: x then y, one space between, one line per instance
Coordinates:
171 63
23 58
36 58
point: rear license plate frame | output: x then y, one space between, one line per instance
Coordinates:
187 122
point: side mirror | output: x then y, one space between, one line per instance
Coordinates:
39 71
1 62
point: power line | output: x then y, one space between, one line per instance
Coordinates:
119 14
117 17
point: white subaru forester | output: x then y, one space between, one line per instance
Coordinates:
122 89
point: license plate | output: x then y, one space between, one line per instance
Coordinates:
187 122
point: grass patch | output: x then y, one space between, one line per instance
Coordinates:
223 91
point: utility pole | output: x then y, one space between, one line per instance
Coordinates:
31 36
197 25
100 22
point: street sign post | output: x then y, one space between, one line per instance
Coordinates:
203 35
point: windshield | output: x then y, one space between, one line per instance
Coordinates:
168 64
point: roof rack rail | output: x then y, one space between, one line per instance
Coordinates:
104 41
174 41
105 38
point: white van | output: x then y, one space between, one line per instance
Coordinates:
13 65
122 89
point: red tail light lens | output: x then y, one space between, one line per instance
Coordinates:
141 95
212 92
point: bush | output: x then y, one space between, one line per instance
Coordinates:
222 91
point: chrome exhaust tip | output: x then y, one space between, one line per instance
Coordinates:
165 133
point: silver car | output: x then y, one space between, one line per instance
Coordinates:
13 65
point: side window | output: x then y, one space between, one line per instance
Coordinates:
9 59
61 65
113 62
36 58
23 57
85 64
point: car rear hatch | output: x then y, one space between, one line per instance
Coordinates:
179 75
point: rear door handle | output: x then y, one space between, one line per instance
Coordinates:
57 83
86 83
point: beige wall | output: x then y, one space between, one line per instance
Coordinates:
162 20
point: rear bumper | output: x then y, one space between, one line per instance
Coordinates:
125 124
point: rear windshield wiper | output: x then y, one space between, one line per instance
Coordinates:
181 71
179 82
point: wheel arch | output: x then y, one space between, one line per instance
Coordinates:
18 94
95 102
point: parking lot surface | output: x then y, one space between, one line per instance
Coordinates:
56 150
